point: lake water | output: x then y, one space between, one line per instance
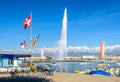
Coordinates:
72 66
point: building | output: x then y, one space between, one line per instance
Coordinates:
89 57
11 60
102 51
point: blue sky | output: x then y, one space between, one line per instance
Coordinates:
89 22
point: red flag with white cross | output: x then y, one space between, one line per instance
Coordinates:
27 22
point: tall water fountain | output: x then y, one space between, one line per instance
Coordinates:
62 49
62 52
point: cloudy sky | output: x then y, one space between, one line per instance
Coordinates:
89 23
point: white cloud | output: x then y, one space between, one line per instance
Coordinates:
70 49
114 48
78 49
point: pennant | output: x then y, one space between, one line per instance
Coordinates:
34 42
38 36
24 44
27 22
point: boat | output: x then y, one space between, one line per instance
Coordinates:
100 72
101 65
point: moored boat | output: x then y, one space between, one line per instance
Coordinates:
100 72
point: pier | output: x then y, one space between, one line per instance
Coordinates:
72 59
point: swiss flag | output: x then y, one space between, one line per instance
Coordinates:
27 22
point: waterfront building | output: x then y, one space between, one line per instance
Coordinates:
11 60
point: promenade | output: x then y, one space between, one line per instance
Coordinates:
70 77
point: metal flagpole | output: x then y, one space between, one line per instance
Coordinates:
31 41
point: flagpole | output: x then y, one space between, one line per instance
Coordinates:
31 41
